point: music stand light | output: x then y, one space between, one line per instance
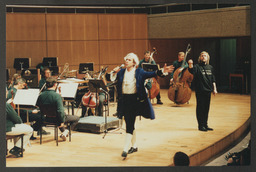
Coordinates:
85 67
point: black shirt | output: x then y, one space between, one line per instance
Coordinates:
203 77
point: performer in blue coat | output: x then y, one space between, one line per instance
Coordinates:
132 97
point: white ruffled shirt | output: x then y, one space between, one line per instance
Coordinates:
129 82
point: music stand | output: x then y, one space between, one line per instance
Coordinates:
149 67
94 86
97 85
21 63
26 99
50 61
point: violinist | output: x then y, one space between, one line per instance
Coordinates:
46 73
49 96
132 97
34 115
176 64
14 126
146 59
14 78
204 84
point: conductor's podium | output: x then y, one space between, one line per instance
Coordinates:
97 124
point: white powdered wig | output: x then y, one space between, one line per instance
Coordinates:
134 57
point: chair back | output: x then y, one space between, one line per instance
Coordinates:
49 112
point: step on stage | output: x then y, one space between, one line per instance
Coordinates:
97 124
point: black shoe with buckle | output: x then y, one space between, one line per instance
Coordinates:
132 149
16 151
159 102
124 154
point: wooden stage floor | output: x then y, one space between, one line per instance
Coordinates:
174 129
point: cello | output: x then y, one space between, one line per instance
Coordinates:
179 91
89 99
155 88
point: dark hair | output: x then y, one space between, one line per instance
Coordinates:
43 71
146 52
181 159
50 82
19 80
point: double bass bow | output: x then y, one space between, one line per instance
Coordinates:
179 91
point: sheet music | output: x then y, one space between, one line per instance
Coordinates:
68 90
26 97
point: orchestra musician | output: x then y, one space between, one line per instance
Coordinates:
49 96
46 73
14 78
34 115
204 84
176 64
146 59
132 96
98 108
14 126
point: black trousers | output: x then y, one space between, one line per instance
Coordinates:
130 110
158 97
202 108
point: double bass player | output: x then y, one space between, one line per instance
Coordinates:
147 59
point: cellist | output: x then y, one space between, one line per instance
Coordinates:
146 59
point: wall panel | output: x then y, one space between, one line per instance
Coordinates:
113 52
72 26
204 23
25 27
122 26
74 52
35 50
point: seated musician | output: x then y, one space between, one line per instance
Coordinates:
34 115
178 63
14 78
99 108
148 85
46 73
49 96
14 126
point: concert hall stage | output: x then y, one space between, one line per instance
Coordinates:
174 129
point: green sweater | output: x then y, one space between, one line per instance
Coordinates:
176 64
51 97
12 118
41 83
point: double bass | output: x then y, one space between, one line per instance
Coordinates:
155 88
179 91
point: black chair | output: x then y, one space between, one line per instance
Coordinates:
9 137
50 118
